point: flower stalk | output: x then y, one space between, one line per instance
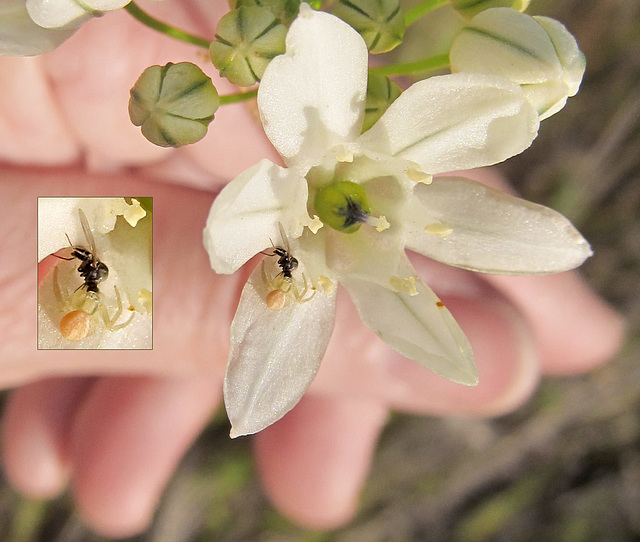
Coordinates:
421 10
142 16
425 65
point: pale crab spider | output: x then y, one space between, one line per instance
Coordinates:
283 283
82 305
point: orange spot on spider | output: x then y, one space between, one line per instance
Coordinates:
439 304
74 326
276 299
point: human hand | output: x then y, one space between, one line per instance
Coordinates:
119 437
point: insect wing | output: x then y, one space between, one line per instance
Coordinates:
88 234
285 239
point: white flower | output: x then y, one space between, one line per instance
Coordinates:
34 27
311 102
20 36
538 53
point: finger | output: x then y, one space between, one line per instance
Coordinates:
94 102
314 461
126 442
574 330
358 362
504 355
27 99
36 427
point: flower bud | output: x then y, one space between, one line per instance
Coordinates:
343 206
62 13
246 40
284 10
381 93
173 104
470 8
379 22
538 53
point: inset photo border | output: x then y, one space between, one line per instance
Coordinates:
95 273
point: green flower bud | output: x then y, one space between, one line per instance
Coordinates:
247 39
342 205
173 104
381 93
470 8
379 22
284 10
538 53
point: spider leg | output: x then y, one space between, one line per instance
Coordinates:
62 300
110 322
301 295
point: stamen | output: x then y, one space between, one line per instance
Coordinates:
343 154
326 285
439 230
419 176
406 285
380 223
145 298
315 224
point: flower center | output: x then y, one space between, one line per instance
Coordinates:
342 205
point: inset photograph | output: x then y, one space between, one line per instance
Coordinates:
95 273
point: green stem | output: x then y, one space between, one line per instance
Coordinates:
431 63
164 28
239 97
421 9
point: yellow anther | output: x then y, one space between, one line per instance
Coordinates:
344 155
419 176
439 230
326 285
406 285
315 224
380 223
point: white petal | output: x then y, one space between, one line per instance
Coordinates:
367 254
491 231
59 13
274 356
547 98
418 327
244 217
571 58
456 121
20 36
505 42
312 97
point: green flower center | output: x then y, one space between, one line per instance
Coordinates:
343 206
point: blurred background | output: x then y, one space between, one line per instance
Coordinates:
566 466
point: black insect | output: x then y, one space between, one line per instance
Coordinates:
286 261
92 270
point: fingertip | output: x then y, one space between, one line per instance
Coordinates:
32 462
575 331
504 355
314 461
127 441
35 432
509 358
